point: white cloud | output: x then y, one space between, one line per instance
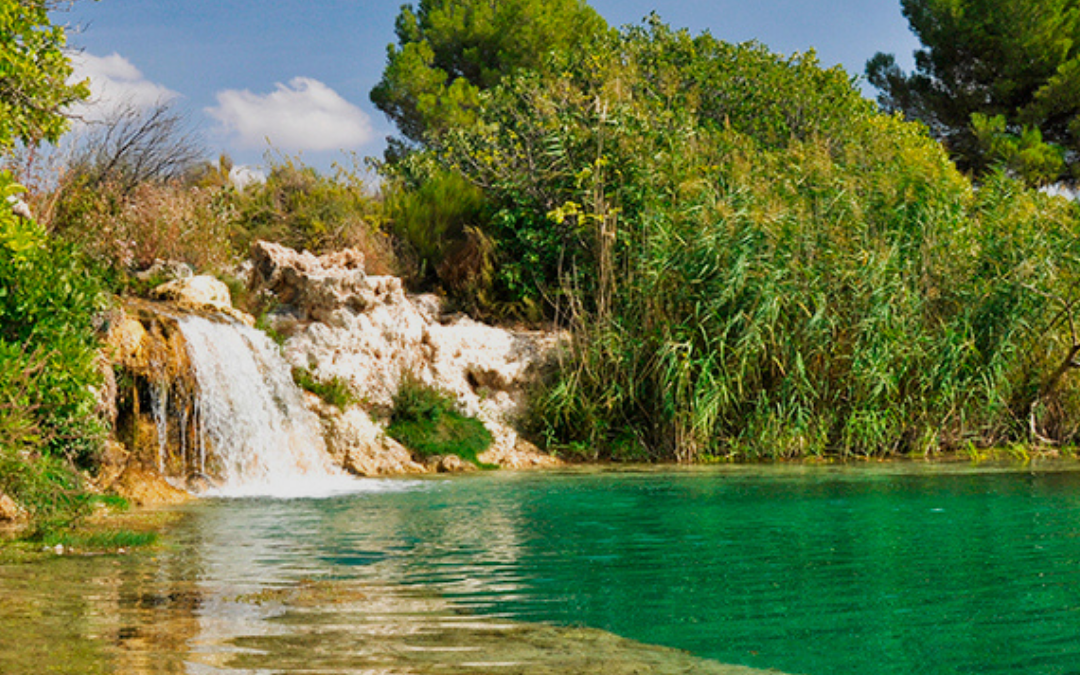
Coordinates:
244 175
303 115
115 85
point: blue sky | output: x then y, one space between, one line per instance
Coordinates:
299 71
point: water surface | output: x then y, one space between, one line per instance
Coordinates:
814 570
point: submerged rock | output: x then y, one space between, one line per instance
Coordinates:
145 486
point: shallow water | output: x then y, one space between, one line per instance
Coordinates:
817 570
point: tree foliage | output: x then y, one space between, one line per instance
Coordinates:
1014 62
450 50
33 75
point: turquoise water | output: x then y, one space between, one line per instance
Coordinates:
925 569
816 570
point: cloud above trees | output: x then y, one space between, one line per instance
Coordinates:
305 114
116 85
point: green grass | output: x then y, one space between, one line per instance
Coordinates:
101 540
426 421
334 391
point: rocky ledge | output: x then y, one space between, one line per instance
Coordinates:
364 330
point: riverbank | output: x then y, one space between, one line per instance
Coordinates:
106 531
121 528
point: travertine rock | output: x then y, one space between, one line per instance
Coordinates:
358 444
201 293
365 330
165 270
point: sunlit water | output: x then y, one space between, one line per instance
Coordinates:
814 570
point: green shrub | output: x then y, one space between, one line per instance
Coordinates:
429 209
48 304
426 421
304 209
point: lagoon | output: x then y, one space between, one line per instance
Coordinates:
813 569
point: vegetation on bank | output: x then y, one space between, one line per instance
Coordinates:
756 262
334 391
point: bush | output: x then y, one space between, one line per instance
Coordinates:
46 487
427 422
123 230
301 208
429 211
48 304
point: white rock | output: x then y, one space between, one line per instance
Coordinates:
368 332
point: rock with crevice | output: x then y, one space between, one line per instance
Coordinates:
152 407
368 332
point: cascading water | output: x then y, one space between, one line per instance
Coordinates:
253 432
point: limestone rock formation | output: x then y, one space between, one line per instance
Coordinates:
144 345
315 287
201 293
366 331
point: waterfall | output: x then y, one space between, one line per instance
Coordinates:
253 432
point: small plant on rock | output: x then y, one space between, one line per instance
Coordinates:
334 391
427 421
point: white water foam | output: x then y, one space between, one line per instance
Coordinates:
262 439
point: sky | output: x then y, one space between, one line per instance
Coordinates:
295 74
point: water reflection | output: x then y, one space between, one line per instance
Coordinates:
359 584
105 614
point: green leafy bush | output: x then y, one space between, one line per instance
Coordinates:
48 304
301 208
426 421
430 212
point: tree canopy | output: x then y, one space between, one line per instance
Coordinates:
450 50
33 74
997 80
